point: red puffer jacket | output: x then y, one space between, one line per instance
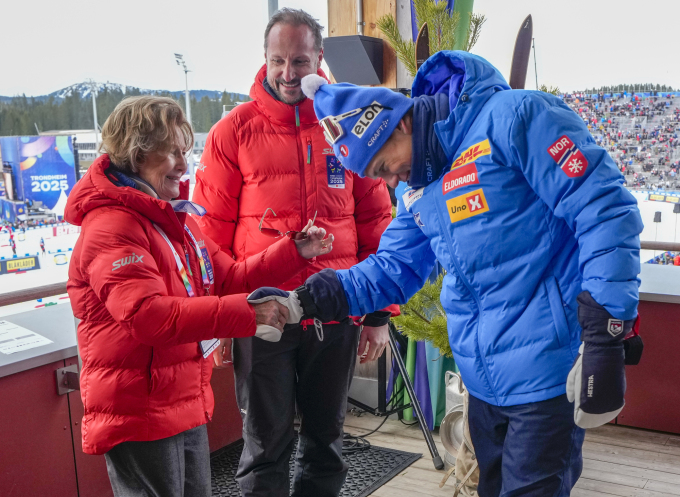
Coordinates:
267 153
143 376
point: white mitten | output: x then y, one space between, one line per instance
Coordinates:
289 299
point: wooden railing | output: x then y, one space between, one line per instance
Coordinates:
665 246
40 292
60 288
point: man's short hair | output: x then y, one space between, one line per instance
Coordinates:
295 17
141 125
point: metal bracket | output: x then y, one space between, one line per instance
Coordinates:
68 379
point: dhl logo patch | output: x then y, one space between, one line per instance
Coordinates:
468 205
472 153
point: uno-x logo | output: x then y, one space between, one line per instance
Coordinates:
568 157
130 259
472 153
468 205
367 119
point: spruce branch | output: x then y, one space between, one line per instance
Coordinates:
441 25
423 317
476 21
405 49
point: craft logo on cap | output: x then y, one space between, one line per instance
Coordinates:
367 119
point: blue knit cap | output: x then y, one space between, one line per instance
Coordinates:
364 133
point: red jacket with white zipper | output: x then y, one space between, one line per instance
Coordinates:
143 376
267 153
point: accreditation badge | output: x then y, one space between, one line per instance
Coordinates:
335 171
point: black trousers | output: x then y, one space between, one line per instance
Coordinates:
271 377
528 450
177 466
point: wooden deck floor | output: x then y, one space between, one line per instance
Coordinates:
618 461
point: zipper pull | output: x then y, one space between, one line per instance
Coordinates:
318 326
309 152
297 116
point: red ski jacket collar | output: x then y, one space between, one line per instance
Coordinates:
96 190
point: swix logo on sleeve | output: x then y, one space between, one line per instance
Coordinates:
468 205
472 153
367 119
130 259
462 176
568 157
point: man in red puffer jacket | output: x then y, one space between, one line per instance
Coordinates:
271 155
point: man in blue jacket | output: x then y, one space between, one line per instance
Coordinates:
529 217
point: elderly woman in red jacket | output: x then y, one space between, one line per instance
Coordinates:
153 295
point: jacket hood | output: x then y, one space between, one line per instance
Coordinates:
469 80
278 111
95 190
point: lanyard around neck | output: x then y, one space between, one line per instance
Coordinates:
178 261
207 281
207 346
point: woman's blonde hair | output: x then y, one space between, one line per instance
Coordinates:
141 125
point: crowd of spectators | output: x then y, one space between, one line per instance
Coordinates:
640 131
666 258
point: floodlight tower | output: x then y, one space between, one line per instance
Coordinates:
93 91
179 58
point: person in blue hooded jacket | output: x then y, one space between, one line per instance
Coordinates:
539 240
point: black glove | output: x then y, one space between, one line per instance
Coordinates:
322 297
597 381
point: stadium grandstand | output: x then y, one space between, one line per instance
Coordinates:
639 130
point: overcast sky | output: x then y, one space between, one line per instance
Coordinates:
47 45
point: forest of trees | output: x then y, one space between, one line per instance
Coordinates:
21 115
642 87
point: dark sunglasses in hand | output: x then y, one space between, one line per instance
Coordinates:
274 233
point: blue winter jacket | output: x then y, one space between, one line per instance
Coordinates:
530 213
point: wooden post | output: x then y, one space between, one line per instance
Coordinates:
342 21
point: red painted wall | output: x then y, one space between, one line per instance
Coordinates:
36 451
653 392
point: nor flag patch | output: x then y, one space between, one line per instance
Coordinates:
467 205
568 157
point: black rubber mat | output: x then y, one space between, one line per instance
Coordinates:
368 470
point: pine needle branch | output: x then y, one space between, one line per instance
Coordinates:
423 318
405 50
476 21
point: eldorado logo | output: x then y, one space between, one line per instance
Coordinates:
462 176
124 261
367 119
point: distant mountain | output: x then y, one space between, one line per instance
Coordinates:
84 90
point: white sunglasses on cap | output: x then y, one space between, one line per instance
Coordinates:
332 130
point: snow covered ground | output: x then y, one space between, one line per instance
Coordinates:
54 265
